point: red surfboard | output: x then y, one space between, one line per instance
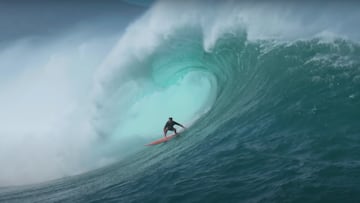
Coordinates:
164 139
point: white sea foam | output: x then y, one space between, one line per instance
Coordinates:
73 93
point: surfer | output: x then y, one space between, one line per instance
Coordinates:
170 126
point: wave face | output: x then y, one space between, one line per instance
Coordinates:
278 121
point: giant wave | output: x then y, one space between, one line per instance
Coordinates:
273 114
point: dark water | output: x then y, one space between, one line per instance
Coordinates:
284 127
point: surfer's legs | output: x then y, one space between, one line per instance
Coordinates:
165 131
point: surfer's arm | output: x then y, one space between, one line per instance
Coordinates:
176 123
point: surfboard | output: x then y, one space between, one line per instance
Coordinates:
162 140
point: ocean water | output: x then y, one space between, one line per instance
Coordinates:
272 120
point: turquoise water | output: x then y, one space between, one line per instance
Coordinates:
283 126
271 106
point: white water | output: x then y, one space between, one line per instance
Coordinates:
73 102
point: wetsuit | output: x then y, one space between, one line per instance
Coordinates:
170 125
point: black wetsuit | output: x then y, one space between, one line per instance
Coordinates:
170 125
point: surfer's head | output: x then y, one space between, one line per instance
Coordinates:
170 118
